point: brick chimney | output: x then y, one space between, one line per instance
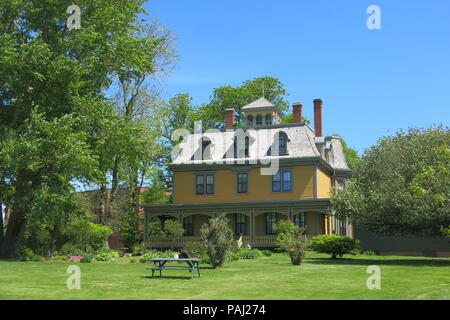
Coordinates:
229 118
297 112
318 117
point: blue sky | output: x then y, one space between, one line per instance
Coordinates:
373 82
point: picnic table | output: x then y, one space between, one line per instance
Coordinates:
160 264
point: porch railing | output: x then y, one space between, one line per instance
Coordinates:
188 240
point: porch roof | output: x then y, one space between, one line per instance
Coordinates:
307 203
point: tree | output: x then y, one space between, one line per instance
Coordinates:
401 186
53 103
293 240
217 239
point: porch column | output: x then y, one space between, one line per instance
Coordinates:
326 223
252 227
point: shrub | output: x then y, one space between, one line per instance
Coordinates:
133 260
335 245
105 254
173 230
86 259
217 238
138 250
196 251
292 239
250 254
60 258
233 256
369 253
86 235
37 258
267 253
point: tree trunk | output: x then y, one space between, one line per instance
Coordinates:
2 228
14 234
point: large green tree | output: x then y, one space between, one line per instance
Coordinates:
401 186
55 118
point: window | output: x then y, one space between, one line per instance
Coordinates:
204 184
299 219
240 224
282 181
271 223
250 120
188 226
282 143
238 152
268 119
242 182
259 119
206 152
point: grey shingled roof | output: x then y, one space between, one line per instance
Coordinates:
260 104
302 144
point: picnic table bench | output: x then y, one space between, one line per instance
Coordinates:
160 265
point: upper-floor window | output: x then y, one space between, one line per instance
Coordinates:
271 223
238 144
268 119
204 184
242 182
240 224
282 143
282 181
250 120
206 149
188 226
259 119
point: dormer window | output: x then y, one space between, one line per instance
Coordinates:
259 120
268 119
250 120
282 143
237 151
206 149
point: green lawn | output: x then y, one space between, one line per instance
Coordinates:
265 278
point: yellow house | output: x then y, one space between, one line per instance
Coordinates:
258 175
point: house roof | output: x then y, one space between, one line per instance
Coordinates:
262 104
303 146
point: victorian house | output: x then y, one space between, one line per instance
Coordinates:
257 174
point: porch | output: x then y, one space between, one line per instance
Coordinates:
254 222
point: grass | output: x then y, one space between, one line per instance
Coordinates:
265 278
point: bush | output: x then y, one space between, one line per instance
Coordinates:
267 253
86 259
37 258
292 240
233 256
86 235
369 253
60 258
218 239
250 254
105 254
26 254
133 260
335 245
